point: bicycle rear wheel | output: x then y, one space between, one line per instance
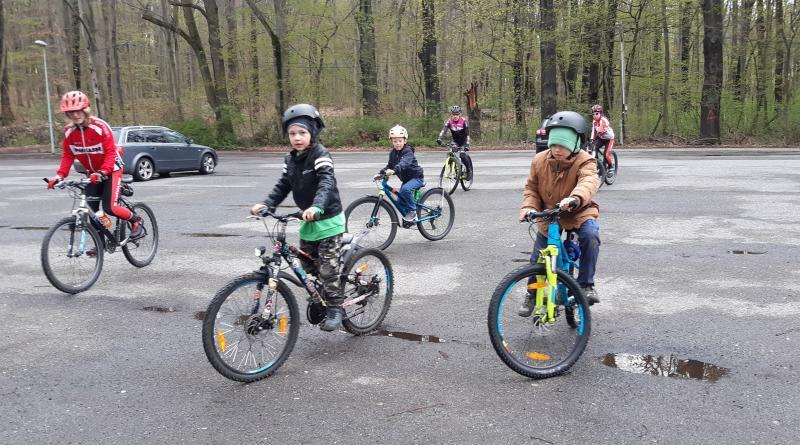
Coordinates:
449 176
72 255
436 214
611 172
141 252
467 176
527 345
240 342
368 285
372 220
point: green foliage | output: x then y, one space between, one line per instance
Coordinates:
197 130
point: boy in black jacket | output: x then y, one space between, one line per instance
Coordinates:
403 163
308 174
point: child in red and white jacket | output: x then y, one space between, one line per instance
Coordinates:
602 133
90 140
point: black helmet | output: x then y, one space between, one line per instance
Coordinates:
302 110
568 119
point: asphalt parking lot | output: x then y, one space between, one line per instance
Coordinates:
699 261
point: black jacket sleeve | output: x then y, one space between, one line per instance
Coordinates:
326 180
281 189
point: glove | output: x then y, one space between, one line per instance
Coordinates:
439 142
523 214
568 203
53 181
96 177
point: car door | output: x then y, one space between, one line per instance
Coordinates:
163 153
135 144
186 156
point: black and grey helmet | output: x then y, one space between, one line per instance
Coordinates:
568 119
302 110
455 109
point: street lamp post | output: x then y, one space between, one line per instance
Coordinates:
43 44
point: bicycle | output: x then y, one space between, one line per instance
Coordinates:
549 341
252 323
75 245
609 171
377 214
455 170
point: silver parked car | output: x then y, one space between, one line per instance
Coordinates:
148 150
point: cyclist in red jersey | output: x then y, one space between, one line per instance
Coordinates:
90 140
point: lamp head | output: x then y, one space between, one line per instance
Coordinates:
41 43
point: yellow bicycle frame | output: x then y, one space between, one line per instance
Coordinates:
546 285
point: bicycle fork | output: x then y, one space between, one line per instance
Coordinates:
546 287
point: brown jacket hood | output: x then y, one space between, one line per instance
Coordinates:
550 181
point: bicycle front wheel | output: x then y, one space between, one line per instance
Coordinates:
611 171
449 176
601 171
467 176
533 345
141 252
240 341
368 284
372 220
436 214
72 255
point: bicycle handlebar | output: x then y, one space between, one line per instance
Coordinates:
263 213
548 214
71 183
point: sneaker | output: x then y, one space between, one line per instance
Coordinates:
137 228
91 253
526 309
333 319
591 295
411 216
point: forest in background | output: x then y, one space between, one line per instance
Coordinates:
221 71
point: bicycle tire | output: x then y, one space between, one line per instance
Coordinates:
611 173
151 237
468 176
505 346
372 238
354 323
428 229
450 175
214 340
46 256
601 171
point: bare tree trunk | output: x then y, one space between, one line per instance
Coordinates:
547 49
608 71
73 30
712 67
667 72
366 57
87 16
218 62
574 52
473 111
277 55
779 53
255 83
745 12
517 64
687 14
115 59
233 44
109 72
6 115
427 56
591 69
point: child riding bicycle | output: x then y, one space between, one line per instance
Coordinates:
90 140
565 176
403 163
602 133
459 129
308 174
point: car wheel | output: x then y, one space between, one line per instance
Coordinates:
207 164
144 170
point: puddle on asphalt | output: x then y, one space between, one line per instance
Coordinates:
30 228
665 366
159 309
200 315
209 235
746 252
409 336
